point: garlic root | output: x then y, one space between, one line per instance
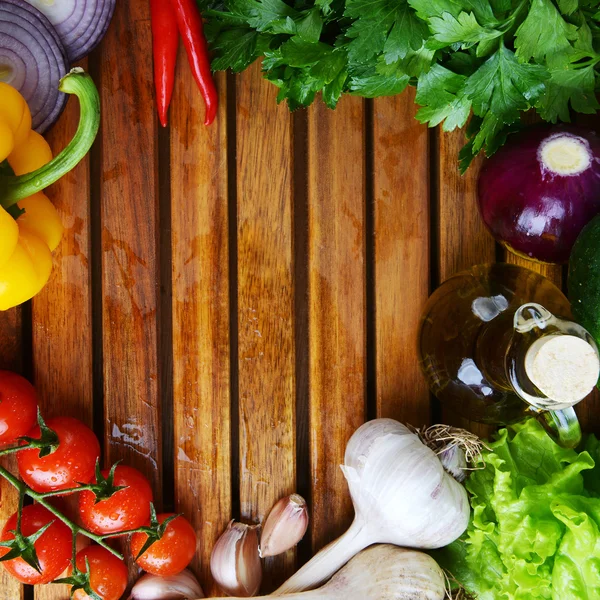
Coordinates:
381 572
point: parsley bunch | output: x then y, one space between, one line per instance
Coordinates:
491 58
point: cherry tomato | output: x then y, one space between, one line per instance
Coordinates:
18 406
108 574
126 509
172 553
53 548
71 463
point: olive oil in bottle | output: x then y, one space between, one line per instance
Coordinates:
497 343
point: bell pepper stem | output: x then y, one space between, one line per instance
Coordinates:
14 188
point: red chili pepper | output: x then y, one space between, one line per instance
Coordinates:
165 39
189 21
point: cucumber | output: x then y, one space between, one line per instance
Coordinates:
584 278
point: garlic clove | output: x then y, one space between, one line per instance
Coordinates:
235 561
178 587
285 526
453 458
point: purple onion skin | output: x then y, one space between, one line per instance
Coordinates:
532 211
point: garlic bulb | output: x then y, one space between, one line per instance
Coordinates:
285 526
401 494
381 572
178 587
235 561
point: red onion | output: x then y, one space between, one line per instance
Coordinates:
32 59
81 24
538 192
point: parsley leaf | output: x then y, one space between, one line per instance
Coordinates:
233 49
441 94
379 79
572 86
463 30
388 26
505 86
543 32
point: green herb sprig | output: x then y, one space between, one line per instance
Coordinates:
489 60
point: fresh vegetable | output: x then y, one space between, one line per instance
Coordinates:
540 190
18 406
401 493
98 573
152 587
80 24
30 230
381 572
33 60
191 29
535 527
49 546
165 40
119 500
167 552
66 457
285 526
26 261
94 574
493 59
584 278
235 561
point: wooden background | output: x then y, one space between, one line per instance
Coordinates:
230 303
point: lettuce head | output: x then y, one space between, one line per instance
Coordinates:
535 522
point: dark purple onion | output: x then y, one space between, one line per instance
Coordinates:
32 59
81 24
531 206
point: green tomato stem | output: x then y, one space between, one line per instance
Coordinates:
14 188
20 510
12 450
41 499
81 488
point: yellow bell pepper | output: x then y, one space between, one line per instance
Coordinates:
31 229
27 271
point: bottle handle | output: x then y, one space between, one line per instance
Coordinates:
562 425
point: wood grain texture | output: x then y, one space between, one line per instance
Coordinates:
129 243
337 317
401 255
463 240
265 305
201 350
11 353
61 312
129 246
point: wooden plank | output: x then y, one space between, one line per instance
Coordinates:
463 240
265 305
11 352
61 313
336 196
201 393
402 275
129 245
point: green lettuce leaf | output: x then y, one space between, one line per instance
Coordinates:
535 525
